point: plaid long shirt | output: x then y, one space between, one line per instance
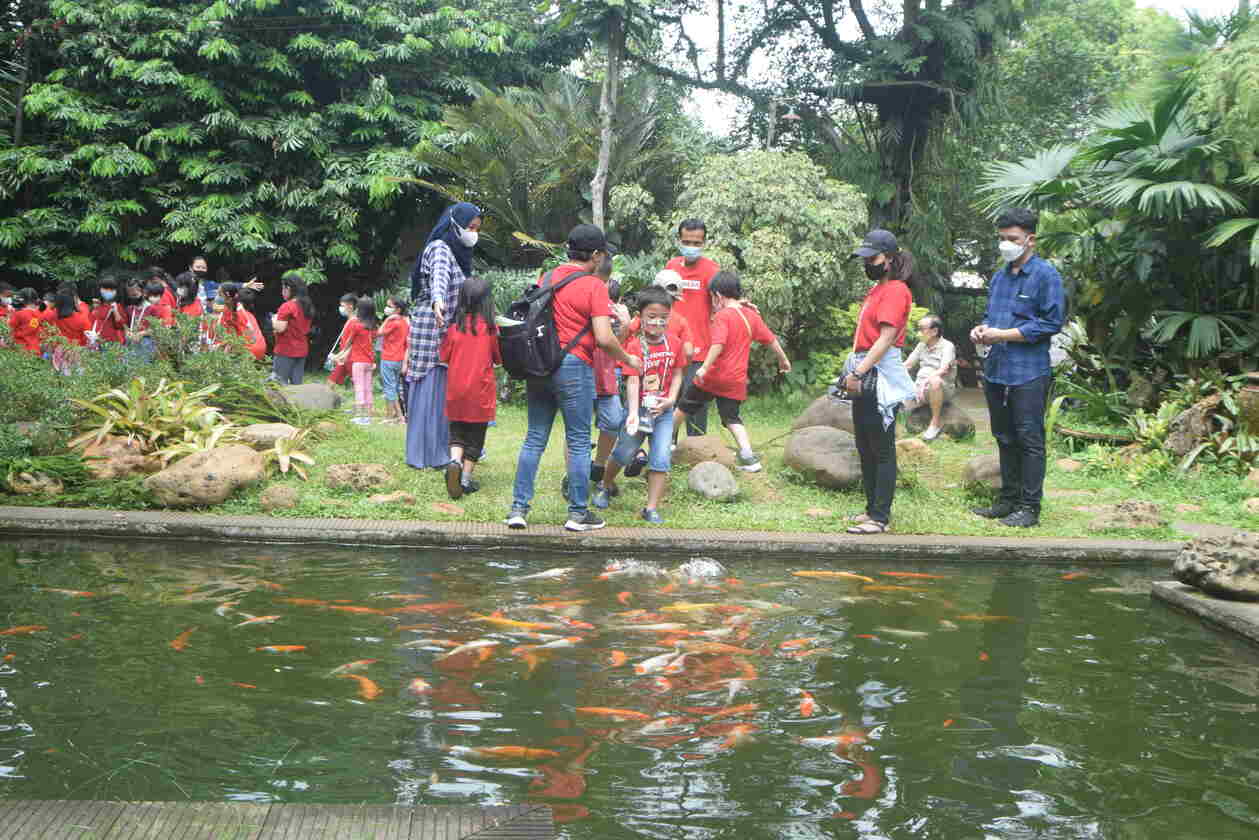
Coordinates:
441 278
1032 301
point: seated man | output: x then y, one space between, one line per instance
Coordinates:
936 379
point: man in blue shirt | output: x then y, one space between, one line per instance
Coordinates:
1026 308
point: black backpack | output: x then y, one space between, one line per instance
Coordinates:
530 345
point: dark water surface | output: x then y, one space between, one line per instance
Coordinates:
984 704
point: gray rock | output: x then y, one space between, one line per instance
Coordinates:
983 469
400 497
701 448
1191 426
1127 515
207 478
311 396
1227 567
955 422
360 477
35 484
713 481
278 497
1251 505
826 411
825 455
119 457
264 435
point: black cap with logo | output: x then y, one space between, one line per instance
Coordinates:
877 241
587 238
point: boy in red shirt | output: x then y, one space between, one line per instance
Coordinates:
697 273
470 352
25 324
651 396
724 374
678 327
395 332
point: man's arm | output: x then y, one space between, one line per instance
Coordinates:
1047 319
784 364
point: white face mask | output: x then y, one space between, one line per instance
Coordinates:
467 237
155 299
1010 251
389 310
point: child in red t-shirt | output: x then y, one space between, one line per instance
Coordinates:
24 322
650 397
724 374
358 351
470 352
109 318
395 331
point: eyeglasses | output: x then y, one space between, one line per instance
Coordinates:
656 322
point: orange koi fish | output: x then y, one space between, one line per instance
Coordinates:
739 735
9 657
662 685
499 621
280 648
914 575
624 597
419 687
261 619
801 654
367 688
616 658
983 656
351 667
402 597
244 685
828 575
266 584
947 723
24 629
615 715
1074 575
304 602
579 625
865 636
199 680
796 644
181 641
703 646
73 593
667 588
505 753
883 587
559 605
733 581
868 786
440 607
986 618
358 610
808 706
734 711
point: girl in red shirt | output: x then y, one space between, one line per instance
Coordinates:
24 322
357 340
235 319
394 333
470 352
187 303
109 319
291 327
72 322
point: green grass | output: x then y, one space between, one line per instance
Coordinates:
930 500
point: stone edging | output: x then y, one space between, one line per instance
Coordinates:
1240 617
43 522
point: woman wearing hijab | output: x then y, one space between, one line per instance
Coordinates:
436 280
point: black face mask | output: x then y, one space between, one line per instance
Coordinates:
876 272
200 273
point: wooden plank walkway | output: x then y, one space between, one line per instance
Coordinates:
89 820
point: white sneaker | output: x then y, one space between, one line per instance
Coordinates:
932 433
361 421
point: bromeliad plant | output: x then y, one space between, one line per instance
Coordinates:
287 453
150 415
208 432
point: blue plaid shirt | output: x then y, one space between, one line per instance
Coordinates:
1031 300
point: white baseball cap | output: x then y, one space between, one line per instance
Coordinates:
670 281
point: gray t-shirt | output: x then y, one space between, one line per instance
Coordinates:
932 360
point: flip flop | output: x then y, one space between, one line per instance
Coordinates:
859 518
870 527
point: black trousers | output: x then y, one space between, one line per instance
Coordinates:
877 448
697 423
1017 413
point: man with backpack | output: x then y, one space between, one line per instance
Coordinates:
561 322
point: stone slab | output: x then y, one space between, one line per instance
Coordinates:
1240 617
167 525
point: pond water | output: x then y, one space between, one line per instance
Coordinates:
974 701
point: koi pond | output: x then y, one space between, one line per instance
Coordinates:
942 701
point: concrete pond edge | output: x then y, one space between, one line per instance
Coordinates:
1240 617
201 527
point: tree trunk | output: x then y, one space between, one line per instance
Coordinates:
19 109
607 109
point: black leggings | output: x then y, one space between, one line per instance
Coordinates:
471 436
877 448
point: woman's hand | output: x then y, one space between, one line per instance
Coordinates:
439 312
852 383
784 366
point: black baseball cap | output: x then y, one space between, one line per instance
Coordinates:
877 241
587 238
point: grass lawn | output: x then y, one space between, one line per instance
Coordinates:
930 500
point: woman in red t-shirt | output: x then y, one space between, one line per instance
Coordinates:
880 332
358 350
394 331
291 325
24 322
470 352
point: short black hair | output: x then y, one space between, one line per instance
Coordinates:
693 224
350 297
727 284
653 294
575 255
604 268
154 287
107 283
1019 217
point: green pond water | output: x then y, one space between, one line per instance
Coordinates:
985 703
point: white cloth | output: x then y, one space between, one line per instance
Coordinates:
894 385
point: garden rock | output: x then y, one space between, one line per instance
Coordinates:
1251 505
278 497
119 457
311 396
826 411
35 484
359 477
955 423
825 455
1127 515
1191 426
1227 567
207 478
913 453
983 469
697 450
398 498
264 435
1069 465
713 481
1253 477
448 508
326 429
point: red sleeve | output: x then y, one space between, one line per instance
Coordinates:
719 332
600 303
285 312
760 332
351 329
168 298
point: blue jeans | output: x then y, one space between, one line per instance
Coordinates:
661 433
609 414
571 392
390 373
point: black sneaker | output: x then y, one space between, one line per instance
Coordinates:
596 472
564 488
589 522
454 477
471 486
516 519
635 467
998 510
1021 518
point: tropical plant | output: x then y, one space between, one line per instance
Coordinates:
70 469
151 415
287 453
207 432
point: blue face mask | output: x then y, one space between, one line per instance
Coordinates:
690 252
108 294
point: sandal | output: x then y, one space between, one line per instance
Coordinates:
871 526
859 518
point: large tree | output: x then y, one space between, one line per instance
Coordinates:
264 133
